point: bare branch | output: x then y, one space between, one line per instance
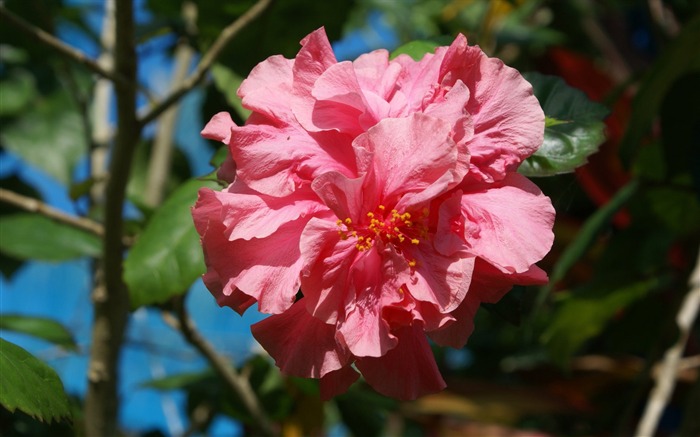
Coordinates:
58 45
226 35
223 368
666 380
30 204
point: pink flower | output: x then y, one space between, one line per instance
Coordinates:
387 192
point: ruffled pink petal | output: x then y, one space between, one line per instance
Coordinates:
276 160
509 224
248 214
268 89
337 382
412 155
345 197
301 344
489 285
407 371
441 280
327 262
508 119
219 128
315 57
266 269
374 284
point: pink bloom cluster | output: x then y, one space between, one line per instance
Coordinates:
386 191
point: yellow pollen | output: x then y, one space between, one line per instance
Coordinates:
414 241
370 215
412 263
401 238
339 222
382 207
348 221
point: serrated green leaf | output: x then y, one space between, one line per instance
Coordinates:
574 127
227 81
415 49
31 236
29 385
167 257
50 135
40 327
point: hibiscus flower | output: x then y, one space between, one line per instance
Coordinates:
373 203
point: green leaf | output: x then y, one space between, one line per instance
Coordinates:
178 381
32 236
583 315
16 91
49 135
574 127
363 411
675 61
167 257
415 49
227 81
31 386
44 328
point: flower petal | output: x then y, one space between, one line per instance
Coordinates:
266 269
337 382
407 371
508 120
412 155
268 89
509 224
219 128
301 344
248 214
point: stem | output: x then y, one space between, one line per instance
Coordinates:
59 46
666 380
226 35
223 368
112 301
36 206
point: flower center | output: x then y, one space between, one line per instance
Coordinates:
391 227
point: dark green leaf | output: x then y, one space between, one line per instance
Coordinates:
415 49
167 257
16 91
44 328
583 315
676 60
510 307
49 135
574 127
31 236
28 384
179 381
364 412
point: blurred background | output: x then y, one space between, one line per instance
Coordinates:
577 357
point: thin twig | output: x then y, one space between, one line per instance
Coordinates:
666 380
58 45
226 35
30 204
221 365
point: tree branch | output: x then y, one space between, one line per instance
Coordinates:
222 367
111 299
666 380
30 204
226 35
58 45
